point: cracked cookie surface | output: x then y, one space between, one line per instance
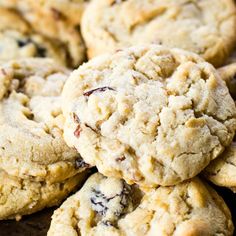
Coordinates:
20 197
105 206
31 122
18 40
148 114
222 171
198 26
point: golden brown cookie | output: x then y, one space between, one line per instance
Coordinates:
31 122
148 114
108 206
18 40
52 23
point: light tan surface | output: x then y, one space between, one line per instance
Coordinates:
31 122
148 114
17 40
20 197
205 27
105 206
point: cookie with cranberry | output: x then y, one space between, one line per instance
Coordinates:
18 40
108 206
49 21
148 114
31 122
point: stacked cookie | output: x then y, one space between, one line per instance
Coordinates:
153 115
186 209
37 168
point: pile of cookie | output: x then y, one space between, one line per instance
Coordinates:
140 92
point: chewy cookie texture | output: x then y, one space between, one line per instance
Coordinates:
31 122
207 27
108 206
148 114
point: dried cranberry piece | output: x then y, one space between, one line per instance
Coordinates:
100 202
3 72
41 51
120 159
77 131
102 89
75 118
90 127
108 223
119 50
22 43
57 15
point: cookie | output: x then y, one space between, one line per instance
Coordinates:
222 171
106 206
20 197
53 25
31 122
17 40
148 114
228 74
198 26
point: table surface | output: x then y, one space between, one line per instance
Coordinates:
33 225
38 224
